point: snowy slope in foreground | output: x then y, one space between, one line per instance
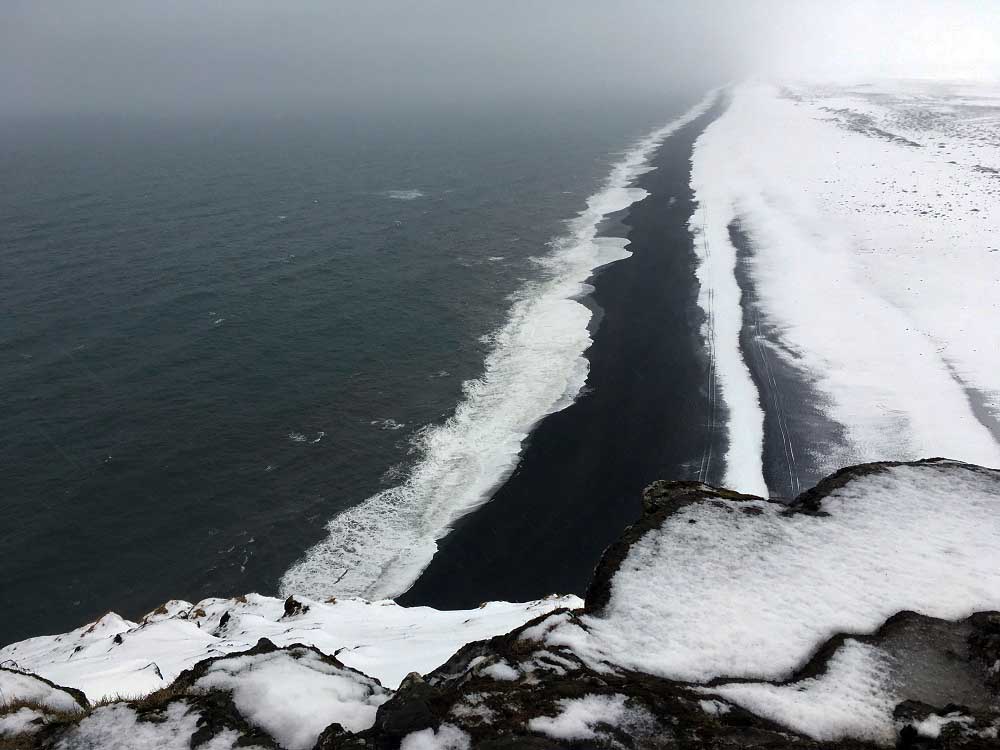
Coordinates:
114 656
873 218
710 585
862 610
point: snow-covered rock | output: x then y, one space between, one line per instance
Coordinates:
115 657
23 720
293 693
120 726
582 718
854 697
743 587
22 687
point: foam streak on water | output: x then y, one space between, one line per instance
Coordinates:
536 367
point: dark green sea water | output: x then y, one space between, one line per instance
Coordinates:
216 334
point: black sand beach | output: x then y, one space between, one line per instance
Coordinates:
644 415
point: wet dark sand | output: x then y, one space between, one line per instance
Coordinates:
644 415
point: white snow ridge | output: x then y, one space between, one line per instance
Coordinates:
117 657
741 589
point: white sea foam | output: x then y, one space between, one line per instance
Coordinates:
403 195
298 437
536 366
387 424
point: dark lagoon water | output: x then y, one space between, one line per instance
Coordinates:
217 334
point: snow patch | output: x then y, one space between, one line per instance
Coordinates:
16 687
294 695
118 727
852 698
719 297
714 708
581 718
472 706
23 721
447 737
500 670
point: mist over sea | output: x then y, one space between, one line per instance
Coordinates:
220 332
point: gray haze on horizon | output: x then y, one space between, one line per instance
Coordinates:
180 56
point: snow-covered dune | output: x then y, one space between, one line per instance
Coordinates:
873 219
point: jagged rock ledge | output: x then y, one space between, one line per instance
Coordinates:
861 615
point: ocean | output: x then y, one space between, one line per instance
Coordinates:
219 334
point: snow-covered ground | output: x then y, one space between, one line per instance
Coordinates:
853 698
114 656
874 218
118 727
745 590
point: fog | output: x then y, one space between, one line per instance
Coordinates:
177 56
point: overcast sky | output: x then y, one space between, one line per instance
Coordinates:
190 55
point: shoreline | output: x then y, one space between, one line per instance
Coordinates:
644 411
